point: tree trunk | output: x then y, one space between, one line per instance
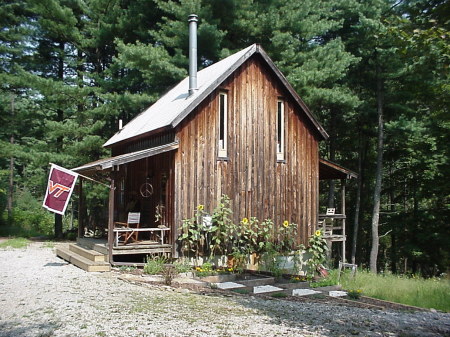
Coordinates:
59 140
378 176
11 169
357 206
332 183
393 256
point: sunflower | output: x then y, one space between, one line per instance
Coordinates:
286 223
200 207
245 221
318 233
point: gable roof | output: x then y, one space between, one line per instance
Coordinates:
176 104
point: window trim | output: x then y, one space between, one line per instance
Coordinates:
280 130
222 128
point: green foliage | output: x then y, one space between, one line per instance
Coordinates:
16 243
223 230
155 265
416 291
29 218
182 266
193 233
205 269
279 295
354 294
70 70
317 250
287 238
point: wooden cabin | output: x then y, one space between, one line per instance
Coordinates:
242 131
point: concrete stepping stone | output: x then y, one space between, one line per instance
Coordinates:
337 293
265 289
304 292
229 285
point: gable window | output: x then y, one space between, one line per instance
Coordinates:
280 129
223 117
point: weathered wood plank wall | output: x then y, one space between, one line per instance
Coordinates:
257 184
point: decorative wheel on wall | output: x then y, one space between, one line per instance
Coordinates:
146 190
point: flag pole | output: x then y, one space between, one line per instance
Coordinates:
95 181
89 178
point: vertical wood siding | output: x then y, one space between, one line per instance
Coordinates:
257 184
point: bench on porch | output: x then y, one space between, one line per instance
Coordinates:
130 231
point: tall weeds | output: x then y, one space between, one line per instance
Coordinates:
416 291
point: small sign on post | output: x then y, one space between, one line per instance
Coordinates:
61 183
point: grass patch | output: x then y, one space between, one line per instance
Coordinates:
16 230
15 243
419 292
49 244
241 291
279 295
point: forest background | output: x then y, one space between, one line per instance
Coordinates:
375 72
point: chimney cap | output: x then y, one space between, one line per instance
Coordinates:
193 17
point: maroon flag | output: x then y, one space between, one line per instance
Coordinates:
60 186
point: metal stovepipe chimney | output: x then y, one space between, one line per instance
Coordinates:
193 19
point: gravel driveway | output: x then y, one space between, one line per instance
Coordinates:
42 295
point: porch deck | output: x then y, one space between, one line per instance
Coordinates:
146 247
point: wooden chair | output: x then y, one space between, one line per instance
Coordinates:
133 221
328 223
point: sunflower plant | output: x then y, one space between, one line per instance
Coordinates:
317 248
286 240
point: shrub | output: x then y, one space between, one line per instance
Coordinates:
28 218
154 265
169 272
354 294
182 266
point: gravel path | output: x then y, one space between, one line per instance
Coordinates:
42 295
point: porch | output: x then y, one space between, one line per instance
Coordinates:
332 219
141 184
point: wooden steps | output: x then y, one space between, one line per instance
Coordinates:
86 259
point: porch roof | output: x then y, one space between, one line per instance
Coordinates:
330 170
108 163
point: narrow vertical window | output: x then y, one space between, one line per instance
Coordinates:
280 129
223 124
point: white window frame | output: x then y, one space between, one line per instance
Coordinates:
222 142
280 130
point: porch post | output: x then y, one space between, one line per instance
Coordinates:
80 208
111 217
343 181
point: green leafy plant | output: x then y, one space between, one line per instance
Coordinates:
182 266
255 236
205 269
193 234
223 231
154 265
287 238
270 263
354 294
318 251
297 279
239 261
